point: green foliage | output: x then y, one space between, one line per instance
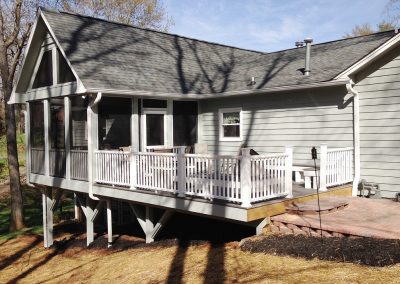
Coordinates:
3 154
33 213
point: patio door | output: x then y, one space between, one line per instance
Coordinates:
154 129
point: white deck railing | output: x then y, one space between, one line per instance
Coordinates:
268 176
79 164
339 166
241 179
213 177
336 166
156 171
112 167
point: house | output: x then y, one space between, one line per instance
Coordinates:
106 101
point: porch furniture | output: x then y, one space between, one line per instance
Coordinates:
200 148
311 178
368 189
298 171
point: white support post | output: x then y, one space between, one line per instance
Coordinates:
47 202
67 128
149 224
109 224
288 171
46 110
89 213
323 167
28 161
135 143
181 172
170 123
245 177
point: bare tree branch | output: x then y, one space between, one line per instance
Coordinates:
17 24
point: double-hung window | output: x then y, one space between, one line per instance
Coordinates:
230 120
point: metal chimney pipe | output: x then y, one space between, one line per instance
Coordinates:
308 42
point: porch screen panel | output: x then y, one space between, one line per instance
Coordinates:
57 138
185 123
114 123
37 137
78 138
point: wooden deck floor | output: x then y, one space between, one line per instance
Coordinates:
300 194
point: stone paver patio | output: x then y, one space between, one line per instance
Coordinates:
376 218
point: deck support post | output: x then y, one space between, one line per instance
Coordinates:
181 172
264 222
91 211
147 222
245 177
47 202
109 224
288 171
322 167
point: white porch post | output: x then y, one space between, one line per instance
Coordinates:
288 171
181 172
170 123
46 110
323 167
245 177
67 128
135 144
28 161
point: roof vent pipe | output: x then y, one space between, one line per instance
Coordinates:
308 42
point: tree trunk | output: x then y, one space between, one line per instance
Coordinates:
17 213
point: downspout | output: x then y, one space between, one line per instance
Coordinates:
356 125
91 144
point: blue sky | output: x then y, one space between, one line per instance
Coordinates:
270 25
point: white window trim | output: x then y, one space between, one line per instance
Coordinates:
37 64
144 127
221 129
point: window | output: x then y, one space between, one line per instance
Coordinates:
230 128
65 74
44 74
79 123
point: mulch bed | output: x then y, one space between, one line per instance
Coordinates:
365 251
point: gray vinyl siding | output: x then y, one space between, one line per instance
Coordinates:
380 124
272 121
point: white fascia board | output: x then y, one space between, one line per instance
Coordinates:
81 88
369 58
12 99
193 96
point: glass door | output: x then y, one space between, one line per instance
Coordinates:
154 127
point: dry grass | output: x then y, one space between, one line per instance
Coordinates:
25 260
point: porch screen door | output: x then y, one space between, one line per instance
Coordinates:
154 128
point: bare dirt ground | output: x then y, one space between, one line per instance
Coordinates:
24 260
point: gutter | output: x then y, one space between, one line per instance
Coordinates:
91 163
356 126
181 96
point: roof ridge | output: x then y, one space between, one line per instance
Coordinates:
151 30
333 41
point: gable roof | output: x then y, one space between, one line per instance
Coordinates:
108 55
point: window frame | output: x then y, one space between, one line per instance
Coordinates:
221 125
54 61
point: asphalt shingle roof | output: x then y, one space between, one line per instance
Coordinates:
108 55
